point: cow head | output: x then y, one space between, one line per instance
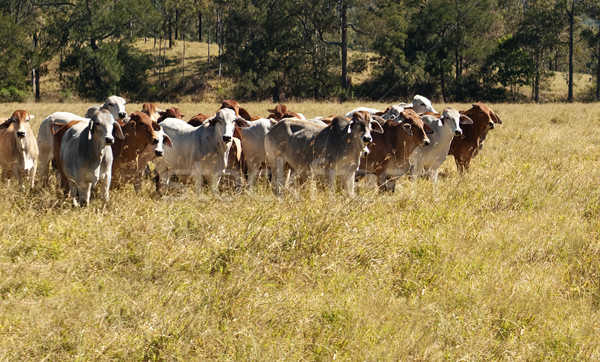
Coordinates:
227 120
482 118
116 106
20 122
421 104
145 130
172 112
152 110
104 128
360 126
415 128
453 119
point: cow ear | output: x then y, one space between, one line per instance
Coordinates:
407 128
427 129
30 117
496 118
167 141
465 119
240 122
6 123
117 131
238 148
349 126
273 122
376 127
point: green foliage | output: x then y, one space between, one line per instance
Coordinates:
15 50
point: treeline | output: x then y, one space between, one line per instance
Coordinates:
451 50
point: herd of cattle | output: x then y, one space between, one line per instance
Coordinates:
111 148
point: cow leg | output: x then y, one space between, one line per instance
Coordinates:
85 192
278 173
73 193
44 162
105 187
331 175
350 183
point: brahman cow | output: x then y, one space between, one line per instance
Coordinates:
152 110
445 127
18 148
308 147
86 156
253 144
200 152
114 104
45 139
139 133
281 111
172 112
389 152
468 146
419 104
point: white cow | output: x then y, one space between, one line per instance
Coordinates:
199 152
429 159
87 157
114 104
307 147
45 139
18 148
253 145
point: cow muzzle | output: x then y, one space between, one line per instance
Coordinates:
20 134
492 125
109 140
458 132
159 153
426 142
226 138
367 138
122 115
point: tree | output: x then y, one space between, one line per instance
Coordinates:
538 33
15 50
100 57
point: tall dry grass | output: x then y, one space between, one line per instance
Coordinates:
500 263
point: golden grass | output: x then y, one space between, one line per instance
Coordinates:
501 263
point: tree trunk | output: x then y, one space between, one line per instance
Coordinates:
598 67
199 26
170 30
208 49
37 86
220 37
571 25
344 46
176 24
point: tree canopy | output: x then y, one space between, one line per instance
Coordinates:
456 50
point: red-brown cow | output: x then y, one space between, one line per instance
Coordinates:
281 111
468 146
172 112
390 151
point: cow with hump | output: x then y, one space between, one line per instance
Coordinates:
306 147
18 148
198 152
390 151
468 146
446 127
87 157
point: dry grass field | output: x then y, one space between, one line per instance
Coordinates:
500 263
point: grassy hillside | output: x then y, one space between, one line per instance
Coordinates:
501 263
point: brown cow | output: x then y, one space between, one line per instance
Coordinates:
172 112
468 146
140 132
239 111
18 147
281 111
152 110
198 119
390 151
